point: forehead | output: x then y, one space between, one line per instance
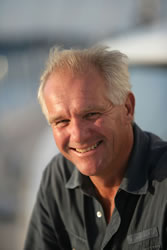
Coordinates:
67 92
89 81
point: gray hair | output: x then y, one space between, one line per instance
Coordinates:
113 65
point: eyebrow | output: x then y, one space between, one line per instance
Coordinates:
55 118
99 108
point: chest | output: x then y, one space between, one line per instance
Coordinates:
132 222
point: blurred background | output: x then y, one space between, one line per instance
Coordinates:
27 30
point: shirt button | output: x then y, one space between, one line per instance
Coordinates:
99 214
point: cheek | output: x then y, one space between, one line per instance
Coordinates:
100 124
104 126
111 129
59 138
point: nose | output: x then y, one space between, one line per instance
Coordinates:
79 131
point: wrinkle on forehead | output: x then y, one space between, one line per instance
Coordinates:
88 70
72 94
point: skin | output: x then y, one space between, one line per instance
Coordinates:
91 132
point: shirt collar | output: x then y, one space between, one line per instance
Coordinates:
79 180
135 180
75 180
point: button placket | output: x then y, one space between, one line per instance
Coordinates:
95 223
99 214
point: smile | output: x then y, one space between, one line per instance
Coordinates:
84 150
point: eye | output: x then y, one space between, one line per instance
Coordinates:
92 115
61 123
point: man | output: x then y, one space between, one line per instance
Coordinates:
107 188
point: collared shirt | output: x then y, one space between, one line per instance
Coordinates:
68 215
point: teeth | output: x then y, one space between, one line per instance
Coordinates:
86 149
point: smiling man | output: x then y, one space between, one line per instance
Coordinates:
106 188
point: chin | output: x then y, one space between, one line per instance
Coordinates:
88 169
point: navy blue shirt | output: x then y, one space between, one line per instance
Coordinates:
68 215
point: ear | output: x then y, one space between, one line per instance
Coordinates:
130 106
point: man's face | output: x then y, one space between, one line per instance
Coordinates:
88 129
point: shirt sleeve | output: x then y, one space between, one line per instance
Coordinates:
46 230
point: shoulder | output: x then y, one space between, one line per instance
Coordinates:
157 157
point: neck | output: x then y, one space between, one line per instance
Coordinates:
107 186
106 190
108 182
